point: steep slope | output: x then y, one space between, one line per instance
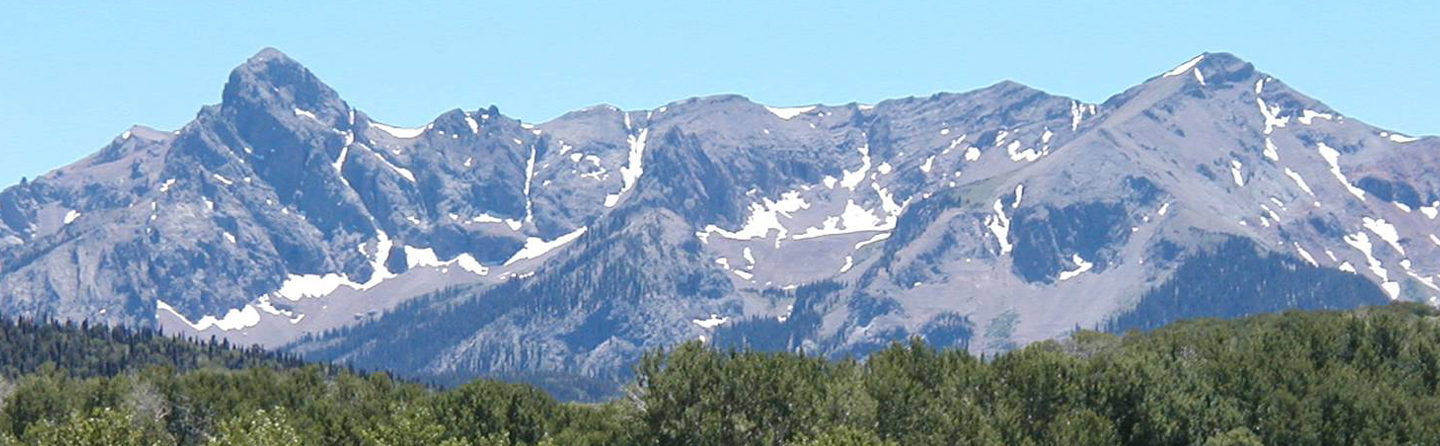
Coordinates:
987 219
279 211
478 244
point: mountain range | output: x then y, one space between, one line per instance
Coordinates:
479 244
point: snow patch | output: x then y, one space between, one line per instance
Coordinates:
399 170
853 219
764 218
789 112
999 223
1308 116
1272 116
474 126
630 173
1332 157
875 239
301 286
1361 242
486 218
1385 231
1184 66
954 144
529 178
223 180
1077 113
263 304
929 162
1299 181
1306 255
467 262
1081 267
400 132
1271 151
712 322
849 263
851 179
536 247
972 154
1431 211
1017 155
71 216
1427 281
789 308
1391 288
1239 178
235 319
1270 213
422 257
1396 137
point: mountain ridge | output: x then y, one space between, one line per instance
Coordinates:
576 244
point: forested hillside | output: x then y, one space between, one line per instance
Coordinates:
1366 376
85 350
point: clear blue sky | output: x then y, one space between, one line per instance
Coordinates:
73 75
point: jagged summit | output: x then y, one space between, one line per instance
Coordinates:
478 244
270 55
272 79
1215 70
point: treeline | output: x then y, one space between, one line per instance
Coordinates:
85 350
1366 377
1235 278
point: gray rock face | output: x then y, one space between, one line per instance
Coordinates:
478 244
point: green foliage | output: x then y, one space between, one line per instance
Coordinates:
1369 376
845 436
86 350
102 427
485 409
410 425
699 396
1080 427
1236 437
258 428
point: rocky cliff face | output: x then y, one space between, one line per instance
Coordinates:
479 244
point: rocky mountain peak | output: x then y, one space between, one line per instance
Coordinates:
273 82
982 219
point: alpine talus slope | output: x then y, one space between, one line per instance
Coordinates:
479 244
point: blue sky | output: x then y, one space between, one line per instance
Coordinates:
73 75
